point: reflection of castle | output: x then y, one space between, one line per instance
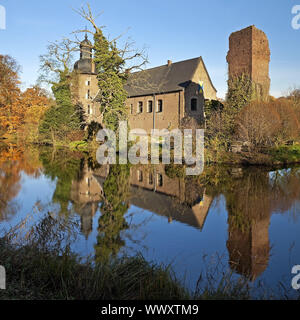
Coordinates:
185 201
152 190
172 198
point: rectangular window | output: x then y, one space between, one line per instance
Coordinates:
88 82
89 109
150 106
140 107
150 178
88 96
159 106
159 180
131 109
194 102
140 175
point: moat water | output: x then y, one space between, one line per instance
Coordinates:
242 221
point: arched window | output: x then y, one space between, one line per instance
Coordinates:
194 102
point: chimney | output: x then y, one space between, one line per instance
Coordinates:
169 63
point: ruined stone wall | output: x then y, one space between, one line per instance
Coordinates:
249 53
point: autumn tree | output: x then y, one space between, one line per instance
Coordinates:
36 102
258 123
10 109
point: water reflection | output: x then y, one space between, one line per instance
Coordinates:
82 186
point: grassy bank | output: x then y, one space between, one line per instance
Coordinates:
33 274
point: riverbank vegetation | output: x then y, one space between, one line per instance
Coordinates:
245 129
40 267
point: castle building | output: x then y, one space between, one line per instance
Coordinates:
87 84
249 54
158 98
162 97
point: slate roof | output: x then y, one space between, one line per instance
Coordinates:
163 79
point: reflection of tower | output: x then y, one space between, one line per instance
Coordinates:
249 250
249 208
86 194
86 218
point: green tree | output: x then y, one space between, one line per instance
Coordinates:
240 92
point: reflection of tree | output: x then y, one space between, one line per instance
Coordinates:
112 221
286 190
12 162
64 166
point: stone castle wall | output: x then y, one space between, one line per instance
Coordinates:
249 53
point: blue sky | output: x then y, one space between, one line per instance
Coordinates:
169 29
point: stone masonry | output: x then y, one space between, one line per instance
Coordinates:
249 53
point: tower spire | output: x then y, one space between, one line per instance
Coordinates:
86 37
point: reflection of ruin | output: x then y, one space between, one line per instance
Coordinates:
249 250
249 214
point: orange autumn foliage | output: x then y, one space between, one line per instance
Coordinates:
13 103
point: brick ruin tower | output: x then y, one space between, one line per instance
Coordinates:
249 53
